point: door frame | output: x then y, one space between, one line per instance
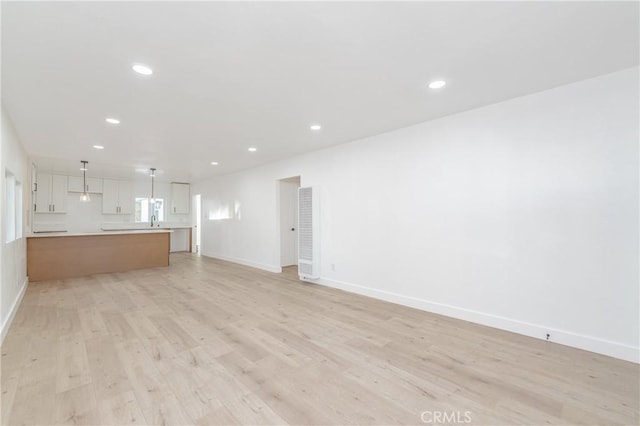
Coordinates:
196 229
297 179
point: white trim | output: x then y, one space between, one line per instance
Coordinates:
264 267
563 337
14 309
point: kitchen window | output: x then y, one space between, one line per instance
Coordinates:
144 210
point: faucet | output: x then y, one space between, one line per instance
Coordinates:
153 219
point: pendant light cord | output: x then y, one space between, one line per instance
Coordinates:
153 175
84 176
84 196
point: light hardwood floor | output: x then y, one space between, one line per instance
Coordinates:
208 342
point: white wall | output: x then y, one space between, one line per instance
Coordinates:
522 215
14 253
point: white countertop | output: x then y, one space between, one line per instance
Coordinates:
81 234
140 226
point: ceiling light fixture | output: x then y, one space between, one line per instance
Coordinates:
152 199
84 197
142 69
112 120
252 149
214 163
315 127
438 84
98 147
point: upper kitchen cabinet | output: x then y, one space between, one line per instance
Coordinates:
117 197
94 185
180 198
50 193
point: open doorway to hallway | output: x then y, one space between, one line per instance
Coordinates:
288 194
196 209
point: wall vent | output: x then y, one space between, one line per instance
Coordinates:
308 233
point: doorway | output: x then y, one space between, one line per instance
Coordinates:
288 190
196 208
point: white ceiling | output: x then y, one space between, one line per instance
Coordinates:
232 75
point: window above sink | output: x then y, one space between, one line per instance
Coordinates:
144 210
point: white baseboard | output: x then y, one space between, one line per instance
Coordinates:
244 262
14 309
563 337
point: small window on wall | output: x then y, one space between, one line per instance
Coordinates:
18 210
144 210
10 203
13 203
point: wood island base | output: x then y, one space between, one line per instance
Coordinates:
65 256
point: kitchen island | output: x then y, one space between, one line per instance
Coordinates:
59 255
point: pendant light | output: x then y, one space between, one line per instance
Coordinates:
84 197
152 199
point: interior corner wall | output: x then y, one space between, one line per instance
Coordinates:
522 215
14 253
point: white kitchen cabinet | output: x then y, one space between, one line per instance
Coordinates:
42 193
180 198
51 193
125 190
94 185
117 197
180 240
110 196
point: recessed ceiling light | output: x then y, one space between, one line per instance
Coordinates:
98 147
438 84
142 69
112 120
252 149
315 127
214 163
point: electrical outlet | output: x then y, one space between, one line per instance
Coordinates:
548 336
